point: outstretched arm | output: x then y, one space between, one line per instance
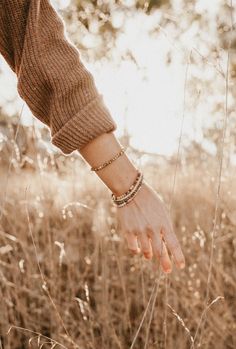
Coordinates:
61 92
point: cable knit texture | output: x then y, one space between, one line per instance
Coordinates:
52 79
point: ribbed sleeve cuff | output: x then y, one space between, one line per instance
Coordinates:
90 122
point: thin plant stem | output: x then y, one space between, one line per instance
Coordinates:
10 165
151 314
37 335
174 186
44 285
203 317
156 283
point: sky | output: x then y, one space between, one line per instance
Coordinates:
152 108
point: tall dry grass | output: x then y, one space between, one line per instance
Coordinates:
67 279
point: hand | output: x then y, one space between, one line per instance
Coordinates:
145 222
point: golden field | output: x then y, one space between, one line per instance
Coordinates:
68 280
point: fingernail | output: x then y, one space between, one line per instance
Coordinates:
182 265
168 271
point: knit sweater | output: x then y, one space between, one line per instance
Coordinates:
52 80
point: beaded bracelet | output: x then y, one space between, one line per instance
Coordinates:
124 199
125 202
131 189
109 161
132 194
130 197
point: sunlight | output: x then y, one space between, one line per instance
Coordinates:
147 96
142 253
144 95
61 4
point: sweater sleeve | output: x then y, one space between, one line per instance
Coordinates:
52 79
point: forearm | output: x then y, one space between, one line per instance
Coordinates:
121 173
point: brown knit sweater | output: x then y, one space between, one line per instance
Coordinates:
52 80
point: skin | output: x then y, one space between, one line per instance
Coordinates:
147 228
145 221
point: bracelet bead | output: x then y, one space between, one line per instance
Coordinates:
122 204
118 198
106 163
121 201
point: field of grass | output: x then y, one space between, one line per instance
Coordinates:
68 280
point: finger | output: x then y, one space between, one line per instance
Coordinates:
132 243
174 246
145 244
161 253
165 259
156 245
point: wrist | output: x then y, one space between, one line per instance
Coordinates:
122 180
117 176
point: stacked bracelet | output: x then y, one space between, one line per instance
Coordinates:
125 198
109 161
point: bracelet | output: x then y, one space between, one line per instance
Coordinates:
133 187
130 195
125 202
127 197
109 161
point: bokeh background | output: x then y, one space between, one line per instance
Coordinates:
167 71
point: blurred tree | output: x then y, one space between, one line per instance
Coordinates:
100 22
193 25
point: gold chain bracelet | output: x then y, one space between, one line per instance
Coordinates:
109 161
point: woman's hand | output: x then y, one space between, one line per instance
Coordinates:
145 220
146 226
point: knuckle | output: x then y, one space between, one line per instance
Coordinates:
130 231
148 228
133 250
148 225
149 231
